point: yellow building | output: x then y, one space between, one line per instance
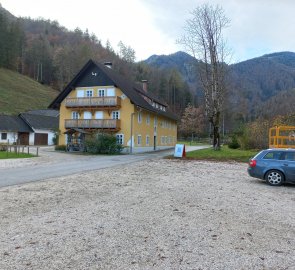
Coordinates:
99 100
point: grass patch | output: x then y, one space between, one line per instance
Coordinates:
5 155
223 155
19 93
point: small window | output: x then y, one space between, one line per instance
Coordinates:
147 141
273 155
3 136
148 120
99 115
139 117
111 92
116 115
87 115
101 92
75 115
80 93
89 93
139 140
120 138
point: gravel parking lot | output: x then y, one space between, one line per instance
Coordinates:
155 214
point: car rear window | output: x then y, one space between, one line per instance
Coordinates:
273 155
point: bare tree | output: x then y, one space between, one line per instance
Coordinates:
203 39
126 52
192 121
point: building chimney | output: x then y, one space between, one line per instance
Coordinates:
144 85
108 64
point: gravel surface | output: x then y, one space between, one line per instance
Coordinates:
47 155
156 214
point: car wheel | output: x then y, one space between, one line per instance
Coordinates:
274 178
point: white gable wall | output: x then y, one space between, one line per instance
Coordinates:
49 132
11 137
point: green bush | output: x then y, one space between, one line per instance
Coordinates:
234 144
60 147
103 144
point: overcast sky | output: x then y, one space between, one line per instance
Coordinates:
152 26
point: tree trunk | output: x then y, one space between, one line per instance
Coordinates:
216 138
215 121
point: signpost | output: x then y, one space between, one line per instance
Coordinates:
179 150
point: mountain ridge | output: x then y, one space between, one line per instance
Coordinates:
253 81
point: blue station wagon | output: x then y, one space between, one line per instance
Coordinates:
275 166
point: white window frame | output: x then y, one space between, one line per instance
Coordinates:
87 113
147 140
111 92
89 93
101 92
139 139
80 93
120 138
148 119
75 115
116 115
155 121
100 112
2 135
139 118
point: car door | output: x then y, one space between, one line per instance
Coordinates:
289 165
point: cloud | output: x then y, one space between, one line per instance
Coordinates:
257 26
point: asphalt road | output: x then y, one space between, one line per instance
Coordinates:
66 165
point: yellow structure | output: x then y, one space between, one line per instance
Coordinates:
100 100
282 137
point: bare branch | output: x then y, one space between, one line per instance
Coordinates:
203 39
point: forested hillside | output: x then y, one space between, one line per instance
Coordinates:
50 54
256 85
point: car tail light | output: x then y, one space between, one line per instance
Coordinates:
252 163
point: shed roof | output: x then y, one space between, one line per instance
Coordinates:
12 123
45 112
40 121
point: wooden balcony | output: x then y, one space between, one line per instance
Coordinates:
111 124
93 102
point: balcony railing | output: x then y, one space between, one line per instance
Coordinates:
93 102
93 123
